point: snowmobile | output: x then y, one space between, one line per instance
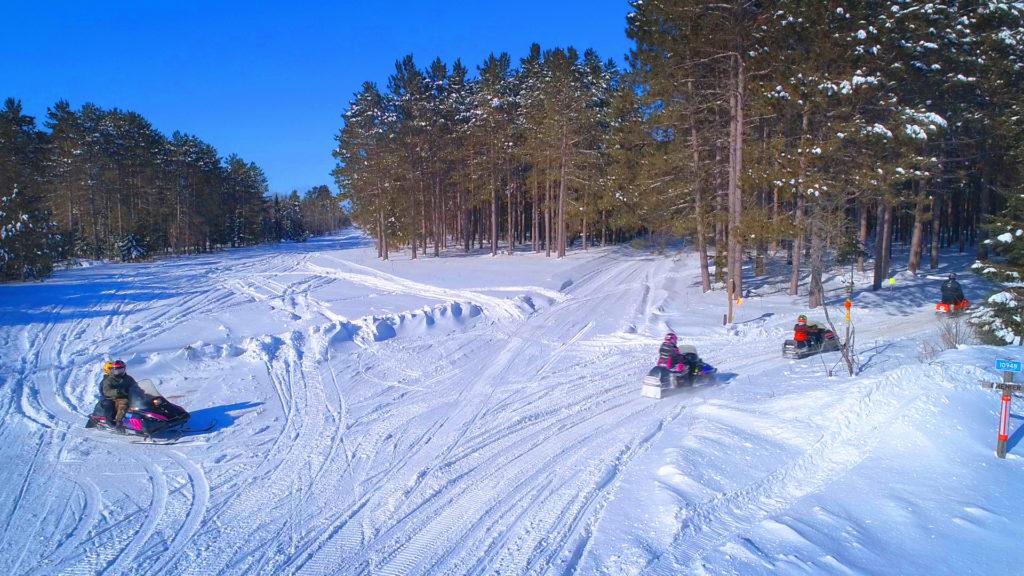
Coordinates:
148 413
946 309
660 380
804 345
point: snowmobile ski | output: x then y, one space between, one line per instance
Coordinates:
174 436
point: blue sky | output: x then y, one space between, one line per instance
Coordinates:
267 80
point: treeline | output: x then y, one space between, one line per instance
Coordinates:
513 154
801 130
103 183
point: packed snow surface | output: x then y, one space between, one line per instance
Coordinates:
482 415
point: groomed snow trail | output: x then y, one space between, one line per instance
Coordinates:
469 415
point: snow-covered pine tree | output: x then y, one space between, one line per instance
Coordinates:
1002 314
132 248
28 243
293 228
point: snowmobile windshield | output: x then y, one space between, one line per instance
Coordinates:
141 396
148 387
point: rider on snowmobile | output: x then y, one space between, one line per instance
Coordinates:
952 294
115 386
806 334
670 357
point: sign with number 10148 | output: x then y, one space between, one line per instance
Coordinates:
1008 365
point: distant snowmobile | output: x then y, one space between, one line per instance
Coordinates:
660 380
808 340
148 413
953 301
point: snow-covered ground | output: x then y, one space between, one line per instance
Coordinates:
479 415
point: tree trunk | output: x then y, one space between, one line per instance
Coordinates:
798 217
734 279
535 222
862 236
702 244
561 203
798 244
511 226
917 230
883 235
816 292
936 210
547 219
984 206
584 221
774 248
494 213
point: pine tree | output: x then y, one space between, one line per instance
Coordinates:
28 243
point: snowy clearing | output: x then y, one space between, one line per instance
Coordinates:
479 415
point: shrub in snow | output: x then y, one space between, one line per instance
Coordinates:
956 331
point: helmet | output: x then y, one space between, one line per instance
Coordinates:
952 275
117 368
801 319
670 337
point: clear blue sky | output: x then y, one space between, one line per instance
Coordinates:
267 80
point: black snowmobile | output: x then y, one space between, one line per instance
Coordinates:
809 342
148 413
660 380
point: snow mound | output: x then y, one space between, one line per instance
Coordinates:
447 317
261 348
200 350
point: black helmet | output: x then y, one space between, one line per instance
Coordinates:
952 275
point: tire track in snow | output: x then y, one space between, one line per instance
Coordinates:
80 534
200 488
402 527
860 426
303 450
23 489
152 516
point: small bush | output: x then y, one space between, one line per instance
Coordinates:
956 331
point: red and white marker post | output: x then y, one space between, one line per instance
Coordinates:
1008 387
1004 424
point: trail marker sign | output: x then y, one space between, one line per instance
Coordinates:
1008 366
